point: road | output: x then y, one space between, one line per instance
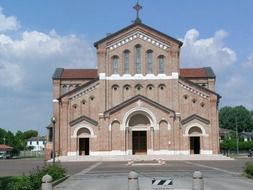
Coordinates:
218 175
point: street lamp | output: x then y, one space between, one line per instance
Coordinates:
53 121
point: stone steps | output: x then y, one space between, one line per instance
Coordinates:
141 158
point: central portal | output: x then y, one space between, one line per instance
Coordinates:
139 142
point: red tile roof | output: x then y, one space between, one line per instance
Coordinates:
193 73
79 74
92 73
5 147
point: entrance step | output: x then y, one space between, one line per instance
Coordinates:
140 158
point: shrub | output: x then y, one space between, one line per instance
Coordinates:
33 181
20 183
249 169
56 171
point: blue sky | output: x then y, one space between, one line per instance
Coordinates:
38 36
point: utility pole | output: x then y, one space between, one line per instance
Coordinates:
237 138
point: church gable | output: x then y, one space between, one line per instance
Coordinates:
137 30
138 49
138 99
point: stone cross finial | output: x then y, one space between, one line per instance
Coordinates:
137 7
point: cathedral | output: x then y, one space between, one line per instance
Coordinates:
138 100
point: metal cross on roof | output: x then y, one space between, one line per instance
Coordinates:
137 7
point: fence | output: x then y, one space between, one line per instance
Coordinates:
31 154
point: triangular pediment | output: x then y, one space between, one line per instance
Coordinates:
81 119
135 99
138 31
195 117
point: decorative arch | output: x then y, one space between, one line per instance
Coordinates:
139 110
84 128
195 125
166 122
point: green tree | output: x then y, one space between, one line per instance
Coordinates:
30 133
230 116
2 136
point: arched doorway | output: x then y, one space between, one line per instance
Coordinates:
83 135
195 133
139 124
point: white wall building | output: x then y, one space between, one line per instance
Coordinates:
38 143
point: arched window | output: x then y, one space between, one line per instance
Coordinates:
138 59
161 63
150 61
115 64
126 61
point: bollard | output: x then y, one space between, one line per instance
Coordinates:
197 181
160 161
130 162
133 183
47 182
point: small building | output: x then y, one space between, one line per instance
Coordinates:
225 134
5 151
247 136
37 143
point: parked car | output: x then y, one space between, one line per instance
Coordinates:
4 155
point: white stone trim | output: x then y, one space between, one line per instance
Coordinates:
189 126
138 76
83 91
140 128
92 135
193 90
168 152
147 112
102 76
72 153
108 153
140 35
206 152
149 152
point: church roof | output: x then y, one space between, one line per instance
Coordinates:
205 72
134 25
5 147
61 73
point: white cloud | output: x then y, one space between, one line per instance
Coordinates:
206 52
249 61
35 55
8 23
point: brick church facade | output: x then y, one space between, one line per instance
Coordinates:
137 101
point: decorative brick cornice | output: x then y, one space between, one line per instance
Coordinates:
138 35
193 90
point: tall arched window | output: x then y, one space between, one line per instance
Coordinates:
161 63
115 64
126 61
150 61
138 59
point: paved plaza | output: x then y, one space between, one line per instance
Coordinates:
223 175
218 174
